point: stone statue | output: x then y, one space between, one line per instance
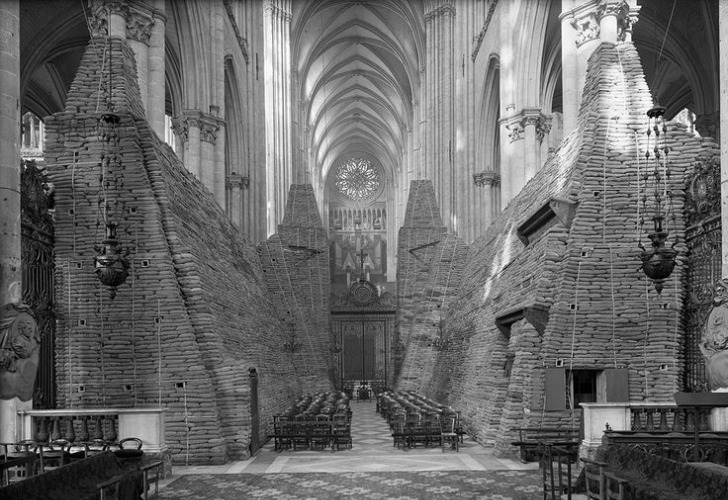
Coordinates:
19 351
714 344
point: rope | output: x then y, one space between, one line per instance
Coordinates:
611 283
604 184
133 319
101 341
159 354
70 335
647 334
667 30
573 342
638 228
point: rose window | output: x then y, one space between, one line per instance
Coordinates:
357 179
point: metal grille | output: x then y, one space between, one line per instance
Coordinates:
703 237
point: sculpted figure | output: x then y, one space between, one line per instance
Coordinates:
714 344
19 351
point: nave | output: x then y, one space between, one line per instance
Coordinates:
373 468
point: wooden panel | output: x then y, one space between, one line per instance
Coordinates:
555 389
617 385
352 351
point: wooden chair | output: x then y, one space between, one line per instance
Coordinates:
130 452
448 435
321 432
20 460
55 454
593 479
615 487
555 463
341 430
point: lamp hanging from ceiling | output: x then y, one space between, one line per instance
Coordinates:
658 261
111 263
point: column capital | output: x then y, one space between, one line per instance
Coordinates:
446 9
586 18
275 10
106 7
528 117
514 126
487 178
139 26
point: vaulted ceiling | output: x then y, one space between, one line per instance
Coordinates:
358 67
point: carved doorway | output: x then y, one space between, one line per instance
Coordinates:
703 238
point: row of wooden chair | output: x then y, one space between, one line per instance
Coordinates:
315 433
27 458
428 431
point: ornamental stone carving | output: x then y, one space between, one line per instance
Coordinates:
587 28
119 7
714 342
543 127
208 131
276 11
181 128
139 27
446 9
19 351
207 124
98 26
487 178
515 129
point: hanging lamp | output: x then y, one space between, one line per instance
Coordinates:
658 261
111 263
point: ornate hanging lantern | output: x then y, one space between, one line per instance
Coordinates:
658 261
112 266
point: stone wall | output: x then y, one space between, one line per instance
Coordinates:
192 317
556 280
296 269
430 265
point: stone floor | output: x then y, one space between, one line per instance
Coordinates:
372 451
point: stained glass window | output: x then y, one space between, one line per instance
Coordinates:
357 179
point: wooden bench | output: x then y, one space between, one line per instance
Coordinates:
98 476
709 446
530 438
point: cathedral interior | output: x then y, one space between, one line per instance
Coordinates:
212 208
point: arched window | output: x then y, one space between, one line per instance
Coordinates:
169 136
33 136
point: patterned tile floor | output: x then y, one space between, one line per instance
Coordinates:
372 451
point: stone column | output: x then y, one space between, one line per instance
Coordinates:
277 69
11 289
486 184
723 50
584 25
111 16
145 34
198 133
236 184
439 106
